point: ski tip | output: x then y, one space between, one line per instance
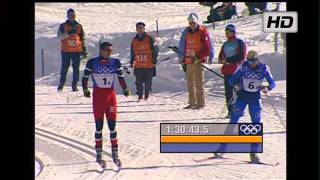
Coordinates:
263 163
197 160
202 160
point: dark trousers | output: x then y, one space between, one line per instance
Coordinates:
143 76
228 92
66 58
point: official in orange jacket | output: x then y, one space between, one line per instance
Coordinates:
143 59
72 47
194 49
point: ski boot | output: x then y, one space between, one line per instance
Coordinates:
199 107
99 159
115 157
75 88
217 155
189 107
139 98
60 88
228 116
146 96
254 158
220 152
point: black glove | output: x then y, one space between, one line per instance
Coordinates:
154 61
73 30
86 93
184 67
126 92
154 71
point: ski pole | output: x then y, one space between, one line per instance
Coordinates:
164 59
233 98
127 66
212 71
176 50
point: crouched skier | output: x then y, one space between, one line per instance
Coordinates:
103 70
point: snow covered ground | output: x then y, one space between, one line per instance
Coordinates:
64 121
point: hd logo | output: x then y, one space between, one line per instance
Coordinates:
286 22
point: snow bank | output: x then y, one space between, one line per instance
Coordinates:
170 76
277 63
70 114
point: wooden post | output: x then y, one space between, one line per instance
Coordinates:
157 28
276 35
276 42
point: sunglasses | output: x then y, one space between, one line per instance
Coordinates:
252 61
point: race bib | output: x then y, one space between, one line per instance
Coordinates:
104 80
190 52
142 58
72 43
251 85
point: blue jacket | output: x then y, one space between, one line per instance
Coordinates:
103 73
251 80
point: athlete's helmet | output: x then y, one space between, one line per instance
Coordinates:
252 55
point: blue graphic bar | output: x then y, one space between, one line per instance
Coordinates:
211 147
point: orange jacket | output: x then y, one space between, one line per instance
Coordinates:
195 44
142 52
74 41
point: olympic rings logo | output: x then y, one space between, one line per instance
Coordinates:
105 70
250 129
252 75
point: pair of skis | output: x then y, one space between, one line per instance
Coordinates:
103 165
247 162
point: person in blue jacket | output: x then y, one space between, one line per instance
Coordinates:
247 83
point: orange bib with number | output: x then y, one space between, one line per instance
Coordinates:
142 53
73 42
193 46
